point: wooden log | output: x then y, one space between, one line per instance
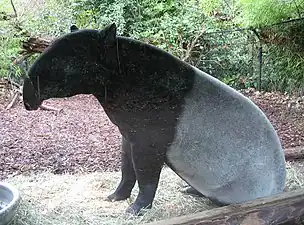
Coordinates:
293 154
35 45
285 208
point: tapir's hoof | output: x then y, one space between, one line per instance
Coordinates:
116 197
191 191
136 210
131 211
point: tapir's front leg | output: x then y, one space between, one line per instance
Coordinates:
128 178
147 161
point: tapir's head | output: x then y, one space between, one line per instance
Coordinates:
79 62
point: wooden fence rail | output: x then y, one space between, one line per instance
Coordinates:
286 208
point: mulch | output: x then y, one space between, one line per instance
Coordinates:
81 138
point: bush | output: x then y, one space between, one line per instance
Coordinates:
166 24
9 40
257 13
52 18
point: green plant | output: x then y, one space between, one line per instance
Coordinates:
258 13
52 19
283 70
10 37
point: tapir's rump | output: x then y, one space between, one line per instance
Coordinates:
224 146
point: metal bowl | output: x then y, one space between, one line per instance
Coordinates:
9 202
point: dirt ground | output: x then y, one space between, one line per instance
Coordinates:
81 138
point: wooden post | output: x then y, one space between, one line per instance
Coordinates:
285 208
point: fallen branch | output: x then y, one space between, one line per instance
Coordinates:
3 84
49 108
292 154
14 100
42 107
17 89
11 82
34 45
18 93
192 44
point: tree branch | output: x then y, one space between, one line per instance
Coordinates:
15 11
192 44
49 108
14 100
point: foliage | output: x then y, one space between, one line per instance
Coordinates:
210 6
97 14
175 25
10 47
53 19
164 23
184 28
49 20
283 70
257 13
9 41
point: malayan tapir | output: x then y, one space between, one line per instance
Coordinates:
168 112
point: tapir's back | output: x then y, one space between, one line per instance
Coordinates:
224 146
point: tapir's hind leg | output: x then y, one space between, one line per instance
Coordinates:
148 162
128 178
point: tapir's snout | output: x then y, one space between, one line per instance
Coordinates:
30 98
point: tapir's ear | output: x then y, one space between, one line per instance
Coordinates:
109 34
74 28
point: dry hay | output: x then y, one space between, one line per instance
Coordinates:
49 199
